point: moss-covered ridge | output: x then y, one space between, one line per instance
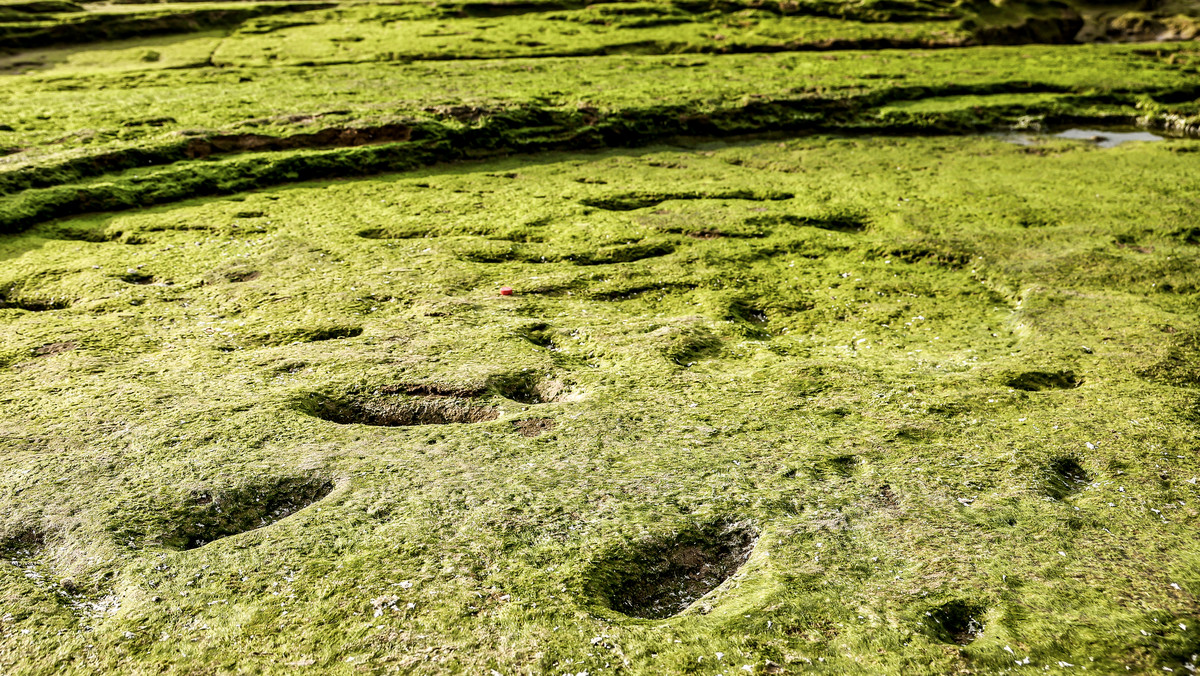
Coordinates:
40 24
337 32
105 181
96 109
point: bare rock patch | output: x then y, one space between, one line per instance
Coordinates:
50 349
533 427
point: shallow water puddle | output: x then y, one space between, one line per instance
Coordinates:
1107 139
1102 138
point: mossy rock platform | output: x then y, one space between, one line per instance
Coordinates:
544 337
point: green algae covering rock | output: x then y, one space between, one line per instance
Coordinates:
842 337
932 406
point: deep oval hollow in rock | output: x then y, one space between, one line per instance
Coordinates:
958 621
216 514
663 578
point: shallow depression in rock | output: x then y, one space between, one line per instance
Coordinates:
533 427
22 544
1065 476
1037 381
392 411
528 388
31 304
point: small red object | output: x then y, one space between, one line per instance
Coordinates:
506 291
